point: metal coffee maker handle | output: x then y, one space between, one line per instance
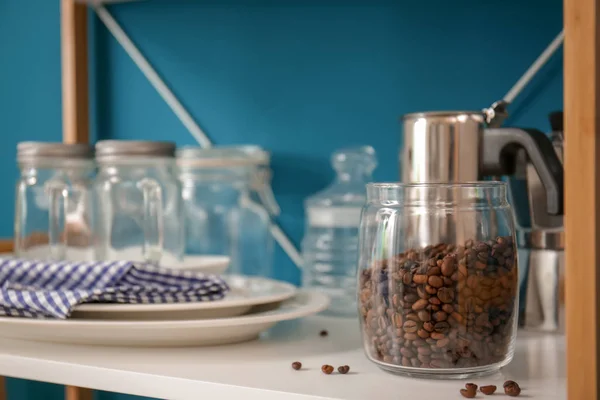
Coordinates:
499 157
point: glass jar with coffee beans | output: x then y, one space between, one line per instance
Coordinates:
437 279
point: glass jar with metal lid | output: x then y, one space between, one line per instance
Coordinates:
221 216
139 209
53 210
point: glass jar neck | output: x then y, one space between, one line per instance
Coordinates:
238 177
135 168
441 195
48 168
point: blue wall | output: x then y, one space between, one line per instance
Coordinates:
299 77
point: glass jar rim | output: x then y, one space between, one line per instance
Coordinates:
439 195
437 185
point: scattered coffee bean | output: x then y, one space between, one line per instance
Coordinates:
488 389
327 369
471 386
512 389
343 369
323 333
296 365
441 306
468 393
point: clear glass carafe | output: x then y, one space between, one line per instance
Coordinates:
330 244
438 278
53 218
221 217
139 206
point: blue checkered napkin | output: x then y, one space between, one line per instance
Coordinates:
42 289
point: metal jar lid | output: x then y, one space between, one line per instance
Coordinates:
116 150
37 151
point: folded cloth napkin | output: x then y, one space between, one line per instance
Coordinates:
51 289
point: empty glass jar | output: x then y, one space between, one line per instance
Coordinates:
53 218
438 279
139 207
221 217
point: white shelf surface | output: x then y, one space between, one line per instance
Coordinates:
261 369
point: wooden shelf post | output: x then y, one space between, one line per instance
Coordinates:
74 54
582 191
75 98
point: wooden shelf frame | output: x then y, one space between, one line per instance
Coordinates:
582 195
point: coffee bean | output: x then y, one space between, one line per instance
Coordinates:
448 266
482 256
430 289
296 365
327 369
445 295
424 359
413 317
448 308
398 320
425 351
406 352
422 292
434 271
480 265
462 268
435 281
440 316
469 394
422 333
488 389
472 281
410 326
428 326
424 315
323 333
470 386
420 279
343 369
411 298
435 301
443 342
419 304
410 336
482 247
437 335
439 364
512 389
441 327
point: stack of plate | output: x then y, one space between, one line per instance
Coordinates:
252 306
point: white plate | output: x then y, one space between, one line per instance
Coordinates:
208 264
245 293
162 333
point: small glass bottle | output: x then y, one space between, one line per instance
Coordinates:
330 244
